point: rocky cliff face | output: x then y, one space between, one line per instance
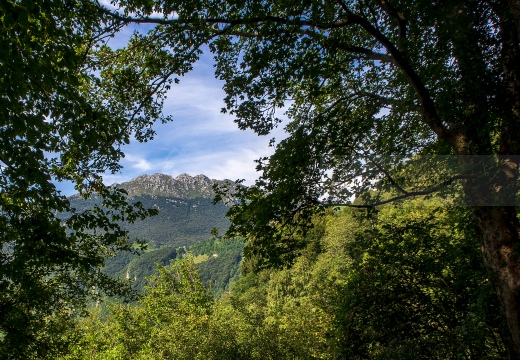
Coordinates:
183 186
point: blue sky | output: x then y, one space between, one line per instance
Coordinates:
199 140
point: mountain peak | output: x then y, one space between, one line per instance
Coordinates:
182 186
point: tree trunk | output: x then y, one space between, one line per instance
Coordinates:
497 214
501 249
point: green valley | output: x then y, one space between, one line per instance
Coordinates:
186 216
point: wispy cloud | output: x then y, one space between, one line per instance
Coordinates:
138 163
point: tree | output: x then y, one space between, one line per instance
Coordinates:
171 321
400 287
424 292
368 85
62 118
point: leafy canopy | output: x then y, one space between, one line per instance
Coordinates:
63 117
405 283
366 85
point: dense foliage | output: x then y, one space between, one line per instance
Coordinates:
369 85
61 119
138 266
218 262
405 283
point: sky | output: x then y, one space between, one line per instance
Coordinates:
199 140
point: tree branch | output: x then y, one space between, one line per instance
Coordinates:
430 115
387 174
401 23
367 53
227 21
429 111
405 195
386 100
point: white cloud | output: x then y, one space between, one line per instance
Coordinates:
138 163
238 165
227 164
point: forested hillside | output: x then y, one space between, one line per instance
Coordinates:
179 222
217 260
404 282
185 216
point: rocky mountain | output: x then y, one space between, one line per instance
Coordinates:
186 212
183 186
186 218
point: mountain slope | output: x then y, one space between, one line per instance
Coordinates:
180 221
186 213
186 217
